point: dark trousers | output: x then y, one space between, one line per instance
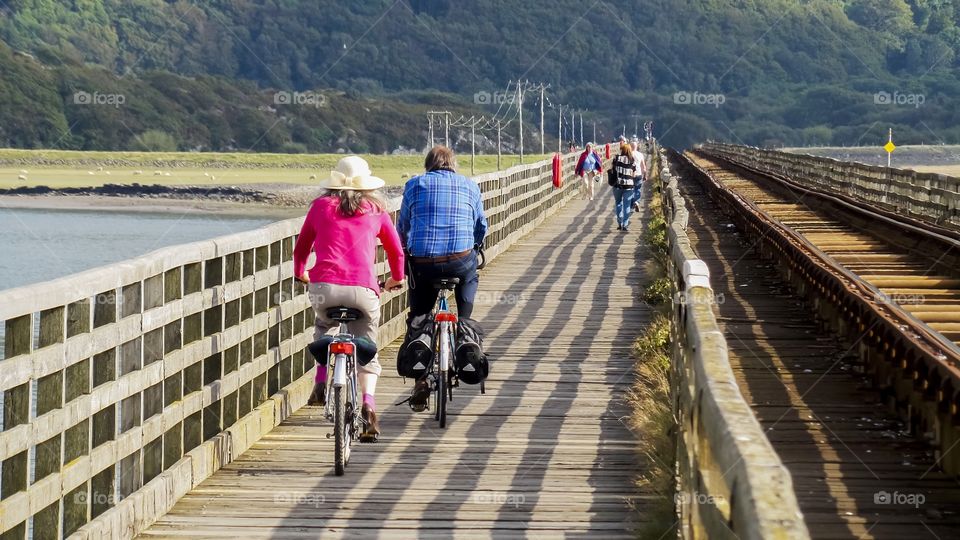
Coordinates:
422 294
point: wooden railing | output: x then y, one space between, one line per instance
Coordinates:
931 197
126 386
731 481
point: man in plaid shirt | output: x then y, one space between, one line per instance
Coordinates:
441 220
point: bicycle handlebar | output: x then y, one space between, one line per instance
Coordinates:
481 256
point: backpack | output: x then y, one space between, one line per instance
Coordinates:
416 353
472 364
612 177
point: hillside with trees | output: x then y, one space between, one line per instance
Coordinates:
768 72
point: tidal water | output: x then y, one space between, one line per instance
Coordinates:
40 245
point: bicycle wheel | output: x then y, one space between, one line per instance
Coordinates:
442 400
341 435
443 363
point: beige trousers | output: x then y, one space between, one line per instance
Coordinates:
587 184
327 295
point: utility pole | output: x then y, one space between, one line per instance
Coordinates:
573 127
594 132
581 129
446 127
560 129
473 145
520 105
543 90
636 125
430 120
498 144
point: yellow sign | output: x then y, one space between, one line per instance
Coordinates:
890 147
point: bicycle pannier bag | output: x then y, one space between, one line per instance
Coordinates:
471 362
416 352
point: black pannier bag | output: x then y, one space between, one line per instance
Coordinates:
471 362
416 352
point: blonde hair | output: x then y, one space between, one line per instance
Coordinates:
626 149
351 202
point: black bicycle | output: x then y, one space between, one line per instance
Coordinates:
442 376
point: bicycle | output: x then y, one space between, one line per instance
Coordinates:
442 377
342 380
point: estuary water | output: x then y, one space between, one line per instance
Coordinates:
40 245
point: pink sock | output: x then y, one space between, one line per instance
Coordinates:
321 374
369 401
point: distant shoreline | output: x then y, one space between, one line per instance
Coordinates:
90 203
273 200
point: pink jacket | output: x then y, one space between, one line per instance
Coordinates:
346 246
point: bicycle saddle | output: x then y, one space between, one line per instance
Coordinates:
446 283
344 314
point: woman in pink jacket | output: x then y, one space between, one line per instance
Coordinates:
342 228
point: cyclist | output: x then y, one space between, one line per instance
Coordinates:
342 228
441 220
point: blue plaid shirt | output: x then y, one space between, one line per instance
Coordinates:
441 214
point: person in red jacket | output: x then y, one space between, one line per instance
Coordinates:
589 168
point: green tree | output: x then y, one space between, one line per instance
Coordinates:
155 141
890 16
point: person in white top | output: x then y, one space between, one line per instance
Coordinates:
641 174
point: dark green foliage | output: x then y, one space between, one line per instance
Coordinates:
790 72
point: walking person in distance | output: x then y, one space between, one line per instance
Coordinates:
589 167
624 172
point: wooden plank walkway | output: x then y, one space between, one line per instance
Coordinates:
544 453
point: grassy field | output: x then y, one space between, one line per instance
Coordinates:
55 168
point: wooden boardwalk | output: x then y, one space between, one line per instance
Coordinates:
544 453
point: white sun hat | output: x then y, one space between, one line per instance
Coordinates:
353 174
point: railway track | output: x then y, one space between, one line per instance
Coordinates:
827 383
926 284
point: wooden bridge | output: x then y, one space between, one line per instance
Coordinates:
169 393
544 451
164 396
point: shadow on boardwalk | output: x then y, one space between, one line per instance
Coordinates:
544 452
